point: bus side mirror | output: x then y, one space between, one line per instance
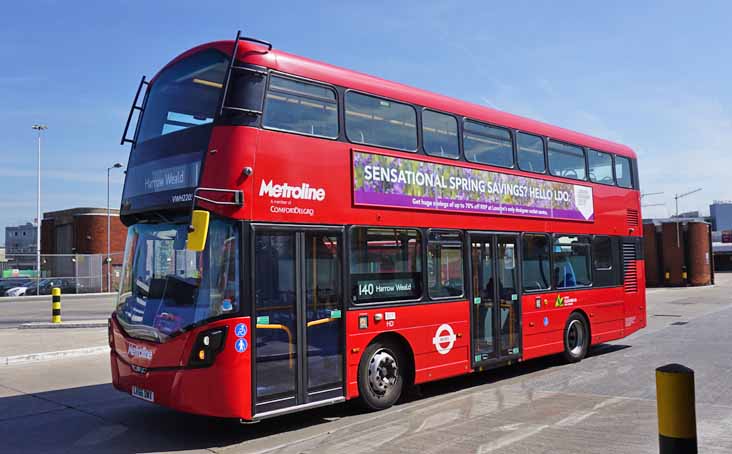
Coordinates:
198 231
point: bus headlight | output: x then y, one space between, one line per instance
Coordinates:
208 344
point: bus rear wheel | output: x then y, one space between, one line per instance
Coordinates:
576 338
381 375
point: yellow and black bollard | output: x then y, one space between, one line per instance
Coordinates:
56 305
676 409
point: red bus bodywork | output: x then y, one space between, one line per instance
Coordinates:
224 389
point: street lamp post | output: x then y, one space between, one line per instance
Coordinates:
38 128
116 165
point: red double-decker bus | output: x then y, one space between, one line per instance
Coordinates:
301 235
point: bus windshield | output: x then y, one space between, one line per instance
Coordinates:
166 288
184 95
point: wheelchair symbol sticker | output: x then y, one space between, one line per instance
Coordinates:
240 330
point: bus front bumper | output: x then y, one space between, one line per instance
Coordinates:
221 390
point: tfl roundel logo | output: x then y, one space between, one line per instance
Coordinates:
444 339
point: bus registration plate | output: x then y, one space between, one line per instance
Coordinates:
144 394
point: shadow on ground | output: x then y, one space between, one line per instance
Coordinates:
100 419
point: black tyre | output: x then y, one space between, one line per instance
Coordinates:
381 373
576 338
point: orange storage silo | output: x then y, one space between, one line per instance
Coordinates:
672 243
699 257
650 245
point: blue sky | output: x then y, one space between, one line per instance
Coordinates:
654 76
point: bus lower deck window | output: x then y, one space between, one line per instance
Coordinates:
445 264
571 258
535 262
386 264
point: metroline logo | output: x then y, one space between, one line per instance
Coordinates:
286 191
139 351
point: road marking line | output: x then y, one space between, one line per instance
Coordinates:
47 356
507 440
369 441
440 419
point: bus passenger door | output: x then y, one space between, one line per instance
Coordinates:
496 326
298 334
483 313
507 295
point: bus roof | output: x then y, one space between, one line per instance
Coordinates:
324 72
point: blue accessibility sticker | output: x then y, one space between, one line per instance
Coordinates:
546 321
240 330
241 345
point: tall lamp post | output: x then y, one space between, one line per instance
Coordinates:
38 128
116 165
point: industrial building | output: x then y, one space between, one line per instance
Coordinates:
678 252
721 214
20 239
20 245
80 234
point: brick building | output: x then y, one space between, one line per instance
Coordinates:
83 231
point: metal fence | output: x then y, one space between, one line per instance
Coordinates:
73 273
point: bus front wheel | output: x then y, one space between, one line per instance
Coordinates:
381 375
576 338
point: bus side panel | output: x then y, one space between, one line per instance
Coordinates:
231 151
545 316
635 303
322 166
424 327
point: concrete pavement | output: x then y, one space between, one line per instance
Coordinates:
14 342
604 404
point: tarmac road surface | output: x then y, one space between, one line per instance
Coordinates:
604 404
15 311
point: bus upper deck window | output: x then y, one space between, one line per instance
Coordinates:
530 151
302 107
601 167
183 96
486 144
622 172
381 122
566 160
440 135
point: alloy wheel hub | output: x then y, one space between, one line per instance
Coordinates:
382 372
